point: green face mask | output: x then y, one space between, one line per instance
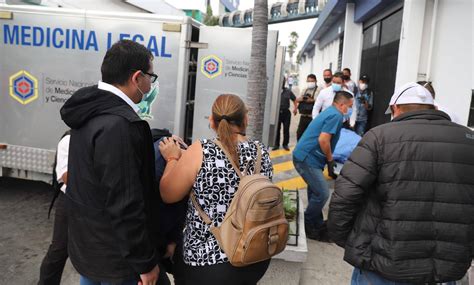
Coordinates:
147 101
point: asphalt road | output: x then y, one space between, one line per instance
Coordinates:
25 231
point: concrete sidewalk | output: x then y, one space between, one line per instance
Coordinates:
26 233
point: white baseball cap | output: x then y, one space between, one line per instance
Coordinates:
410 93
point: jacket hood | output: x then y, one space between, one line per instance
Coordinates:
89 102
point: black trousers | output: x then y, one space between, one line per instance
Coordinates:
53 263
284 119
305 120
219 274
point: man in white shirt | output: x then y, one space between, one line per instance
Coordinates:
346 77
327 78
326 96
53 263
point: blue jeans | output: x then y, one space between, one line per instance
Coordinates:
364 277
86 281
318 193
360 127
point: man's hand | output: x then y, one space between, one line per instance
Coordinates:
149 278
295 111
331 167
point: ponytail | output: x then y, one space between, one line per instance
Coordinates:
229 112
227 137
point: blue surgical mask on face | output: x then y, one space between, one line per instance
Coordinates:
347 115
349 112
336 87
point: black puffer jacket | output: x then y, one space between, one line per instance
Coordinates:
111 195
404 202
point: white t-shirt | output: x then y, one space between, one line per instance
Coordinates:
61 160
323 101
351 86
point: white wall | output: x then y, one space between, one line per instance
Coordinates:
452 61
320 60
450 64
352 49
410 41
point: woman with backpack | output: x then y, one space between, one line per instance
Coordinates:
206 172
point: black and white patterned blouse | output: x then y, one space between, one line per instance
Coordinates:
214 188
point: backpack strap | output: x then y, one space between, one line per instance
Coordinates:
234 165
258 163
201 212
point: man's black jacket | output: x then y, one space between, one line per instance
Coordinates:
403 205
110 188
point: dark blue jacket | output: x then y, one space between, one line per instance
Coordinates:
172 216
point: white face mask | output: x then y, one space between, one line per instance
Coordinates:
362 86
311 85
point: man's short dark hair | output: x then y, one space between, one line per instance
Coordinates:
342 97
122 59
347 69
428 85
415 107
311 76
327 69
337 74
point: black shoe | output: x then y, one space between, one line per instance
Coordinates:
324 235
276 148
286 148
311 232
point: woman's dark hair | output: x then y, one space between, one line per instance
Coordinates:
228 112
122 59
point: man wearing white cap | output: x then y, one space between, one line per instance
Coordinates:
403 205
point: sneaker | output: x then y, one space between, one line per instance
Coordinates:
286 148
276 148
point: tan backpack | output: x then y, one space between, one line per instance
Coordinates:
254 227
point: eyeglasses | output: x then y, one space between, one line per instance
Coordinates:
153 77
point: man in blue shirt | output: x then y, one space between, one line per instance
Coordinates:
312 152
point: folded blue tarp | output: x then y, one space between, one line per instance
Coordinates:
346 144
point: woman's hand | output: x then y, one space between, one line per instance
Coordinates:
169 148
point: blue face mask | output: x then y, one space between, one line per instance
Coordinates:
336 87
347 116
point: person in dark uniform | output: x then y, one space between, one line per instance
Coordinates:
305 104
285 117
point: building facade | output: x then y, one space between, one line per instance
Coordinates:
395 42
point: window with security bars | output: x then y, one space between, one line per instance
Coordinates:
470 122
